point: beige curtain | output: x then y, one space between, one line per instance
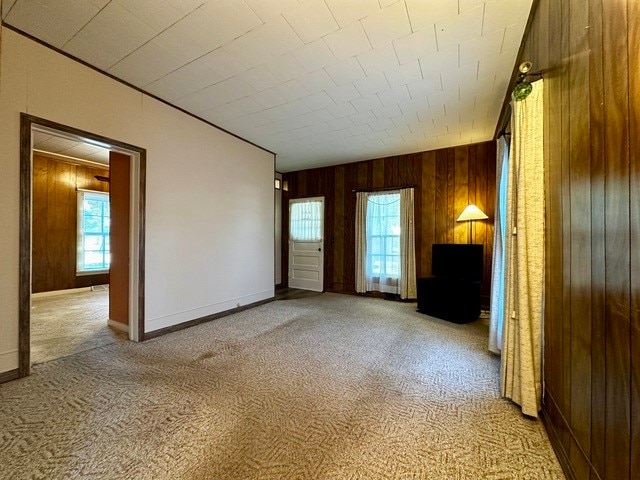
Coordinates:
522 342
361 241
407 245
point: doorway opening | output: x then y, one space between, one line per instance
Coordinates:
306 244
81 241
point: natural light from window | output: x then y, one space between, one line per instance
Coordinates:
93 232
383 235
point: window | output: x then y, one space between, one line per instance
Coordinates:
383 237
93 232
306 221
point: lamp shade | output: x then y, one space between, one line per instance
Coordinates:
471 212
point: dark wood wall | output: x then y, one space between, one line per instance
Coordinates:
446 182
55 212
590 50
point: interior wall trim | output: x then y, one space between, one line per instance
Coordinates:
9 376
24 288
197 321
556 442
124 82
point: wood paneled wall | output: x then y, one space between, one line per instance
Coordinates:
590 50
446 182
55 223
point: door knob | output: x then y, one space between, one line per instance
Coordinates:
319 249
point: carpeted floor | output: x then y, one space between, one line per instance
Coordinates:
326 387
63 325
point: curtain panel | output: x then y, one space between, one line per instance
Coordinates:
361 241
408 245
523 315
496 311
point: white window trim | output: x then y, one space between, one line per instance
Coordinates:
79 233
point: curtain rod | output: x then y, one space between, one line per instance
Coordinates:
382 189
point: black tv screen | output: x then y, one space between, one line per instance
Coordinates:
457 260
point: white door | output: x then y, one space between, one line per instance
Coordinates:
306 247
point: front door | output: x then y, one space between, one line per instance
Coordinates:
306 229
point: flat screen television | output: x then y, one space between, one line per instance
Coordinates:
457 260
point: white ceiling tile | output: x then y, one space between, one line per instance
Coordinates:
343 93
248 51
268 98
425 13
227 20
295 108
394 95
443 60
277 36
317 81
381 125
387 24
320 128
512 38
398 130
407 73
244 105
479 48
362 118
53 21
318 101
183 81
271 9
456 76
348 11
275 114
375 61
416 45
291 90
342 123
341 110
147 64
346 71
109 37
502 13
390 111
222 63
185 6
5 7
259 78
460 28
372 84
348 42
428 86
314 56
311 20
364 104
285 68
158 14
56 144
359 129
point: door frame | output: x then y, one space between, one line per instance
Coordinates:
289 240
136 228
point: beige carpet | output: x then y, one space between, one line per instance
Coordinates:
63 325
327 387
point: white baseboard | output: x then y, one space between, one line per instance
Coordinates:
175 319
118 326
60 292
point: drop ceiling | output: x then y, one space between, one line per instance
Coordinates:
72 149
318 82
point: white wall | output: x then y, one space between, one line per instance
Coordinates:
210 215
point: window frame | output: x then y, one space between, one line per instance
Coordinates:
81 234
383 238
